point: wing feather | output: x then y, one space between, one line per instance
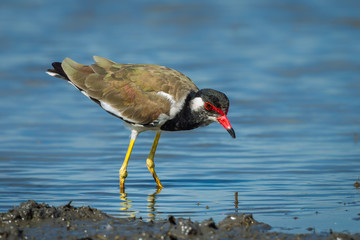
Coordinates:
130 91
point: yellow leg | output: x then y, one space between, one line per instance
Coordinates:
150 161
123 172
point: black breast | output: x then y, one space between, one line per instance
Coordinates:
185 119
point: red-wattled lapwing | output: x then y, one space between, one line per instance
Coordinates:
146 97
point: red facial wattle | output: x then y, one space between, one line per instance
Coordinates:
223 120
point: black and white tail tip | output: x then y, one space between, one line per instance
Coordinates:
58 71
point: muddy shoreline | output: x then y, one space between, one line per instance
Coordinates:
32 220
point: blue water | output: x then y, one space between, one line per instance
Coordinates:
291 71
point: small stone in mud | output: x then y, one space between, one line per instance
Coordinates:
172 220
185 228
209 224
242 220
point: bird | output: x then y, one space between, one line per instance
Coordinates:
145 97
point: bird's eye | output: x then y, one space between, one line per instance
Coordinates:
208 106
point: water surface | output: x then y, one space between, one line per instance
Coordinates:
290 69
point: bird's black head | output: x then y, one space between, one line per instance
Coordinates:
214 106
215 98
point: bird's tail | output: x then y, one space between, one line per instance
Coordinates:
58 71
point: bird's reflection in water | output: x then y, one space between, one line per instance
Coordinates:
126 205
151 204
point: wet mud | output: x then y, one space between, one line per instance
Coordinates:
32 220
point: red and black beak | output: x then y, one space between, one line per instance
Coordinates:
224 121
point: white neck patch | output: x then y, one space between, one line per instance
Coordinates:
196 104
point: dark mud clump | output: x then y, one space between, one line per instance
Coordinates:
32 220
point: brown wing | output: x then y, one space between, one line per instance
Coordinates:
130 91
